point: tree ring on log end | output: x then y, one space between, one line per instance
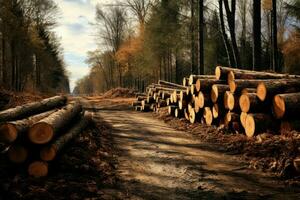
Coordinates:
218 73
8 132
232 85
198 85
261 91
230 76
38 169
250 125
243 117
214 93
244 102
278 107
48 153
41 133
215 111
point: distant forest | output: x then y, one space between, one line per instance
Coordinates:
142 41
30 54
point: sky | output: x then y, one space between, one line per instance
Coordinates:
77 34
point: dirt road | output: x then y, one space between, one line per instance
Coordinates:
158 162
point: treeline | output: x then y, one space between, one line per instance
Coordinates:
170 39
30 53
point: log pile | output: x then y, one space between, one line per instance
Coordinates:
36 133
248 102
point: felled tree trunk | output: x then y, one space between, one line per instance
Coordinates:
29 109
286 105
43 131
258 123
50 152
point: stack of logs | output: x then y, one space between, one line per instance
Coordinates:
37 132
244 101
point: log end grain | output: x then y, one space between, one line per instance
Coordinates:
250 126
230 76
278 107
261 91
244 103
215 111
8 133
208 116
192 116
229 100
218 73
243 117
17 154
214 93
201 100
198 85
48 153
40 133
38 169
232 85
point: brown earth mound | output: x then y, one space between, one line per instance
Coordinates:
119 92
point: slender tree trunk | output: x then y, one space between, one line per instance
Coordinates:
231 24
274 38
193 42
3 71
201 38
13 65
224 35
160 68
256 35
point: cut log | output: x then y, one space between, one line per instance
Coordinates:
162 103
179 113
222 73
165 95
215 111
17 154
248 90
258 123
9 131
270 88
192 116
21 112
185 81
139 94
231 117
138 108
170 84
237 86
38 169
243 117
207 115
229 100
171 110
286 105
218 91
146 108
141 98
193 78
186 114
204 85
50 152
43 131
249 102
136 103
181 104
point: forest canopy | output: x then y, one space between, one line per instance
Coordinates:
30 53
142 41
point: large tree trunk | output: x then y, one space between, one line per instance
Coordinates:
258 123
201 37
217 92
10 131
193 78
29 109
224 36
256 34
268 89
231 23
49 153
286 105
170 84
276 67
205 85
193 41
46 129
249 102
227 73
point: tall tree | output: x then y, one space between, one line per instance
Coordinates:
230 13
275 65
193 40
201 37
256 35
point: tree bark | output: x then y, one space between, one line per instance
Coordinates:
256 34
46 129
286 105
10 131
201 37
29 109
50 152
249 102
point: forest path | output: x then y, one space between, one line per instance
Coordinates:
157 162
